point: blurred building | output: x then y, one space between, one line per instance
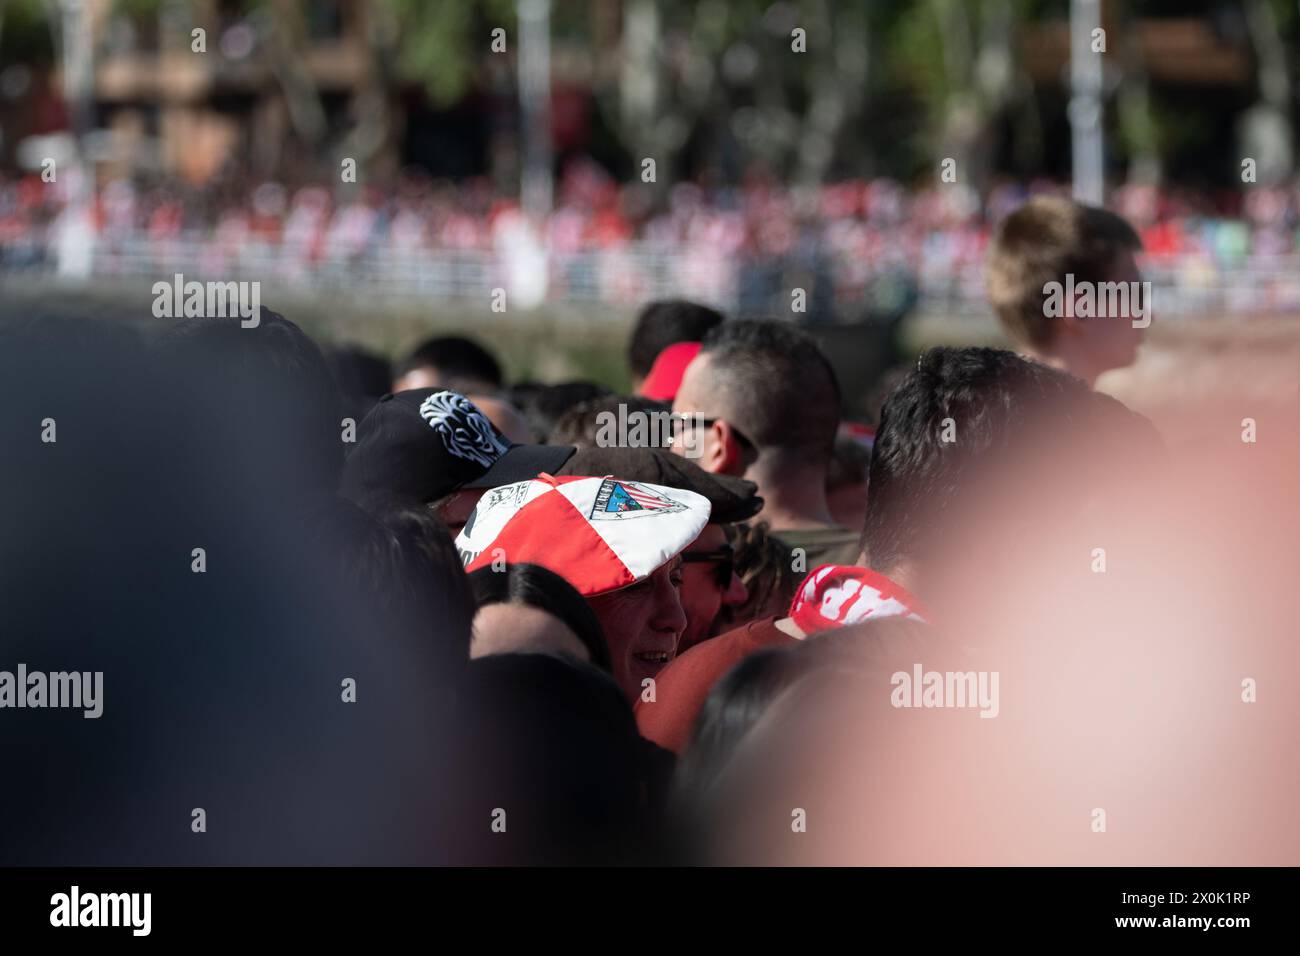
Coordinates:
265 82
1171 70
192 87
285 88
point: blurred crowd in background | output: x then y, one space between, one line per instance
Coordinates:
859 151
858 248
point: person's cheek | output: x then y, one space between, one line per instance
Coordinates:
617 637
670 613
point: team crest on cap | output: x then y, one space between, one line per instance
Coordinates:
576 527
624 499
465 431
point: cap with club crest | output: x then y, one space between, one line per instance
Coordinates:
600 534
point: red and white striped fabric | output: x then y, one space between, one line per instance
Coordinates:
600 534
836 595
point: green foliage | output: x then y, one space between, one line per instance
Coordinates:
920 76
26 36
137 7
1177 130
442 41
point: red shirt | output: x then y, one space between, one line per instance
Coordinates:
682 686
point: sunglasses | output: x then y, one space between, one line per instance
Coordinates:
725 559
681 421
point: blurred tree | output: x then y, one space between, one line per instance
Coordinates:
1138 118
445 41
962 57
806 90
776 81
1266 131
945 72
427 42
285 38
27 20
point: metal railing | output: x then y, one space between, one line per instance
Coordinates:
631 274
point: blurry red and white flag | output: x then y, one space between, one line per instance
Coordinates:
836 595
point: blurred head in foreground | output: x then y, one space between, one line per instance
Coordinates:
254 633
981 454
1120 610
549 766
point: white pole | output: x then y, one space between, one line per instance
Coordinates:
535 105
76 235
1085 109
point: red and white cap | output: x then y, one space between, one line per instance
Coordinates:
599 534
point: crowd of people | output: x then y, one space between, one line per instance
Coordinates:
362 613
875 244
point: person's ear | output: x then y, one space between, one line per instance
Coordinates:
711 449
730 452
1071 323
1070 326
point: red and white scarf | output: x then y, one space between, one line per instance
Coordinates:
836 595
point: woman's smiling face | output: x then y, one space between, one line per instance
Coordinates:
642 625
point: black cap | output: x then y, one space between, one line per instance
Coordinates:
423 444
732 499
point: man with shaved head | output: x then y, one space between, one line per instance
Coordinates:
768 404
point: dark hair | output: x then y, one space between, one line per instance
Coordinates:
776 386
267 388
551 741
743 695
765 566
543 405
876 644
535 586
663 323
580 424
404 565
463 363
849 463
956 436
233 674
765 692
731 709
362 376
